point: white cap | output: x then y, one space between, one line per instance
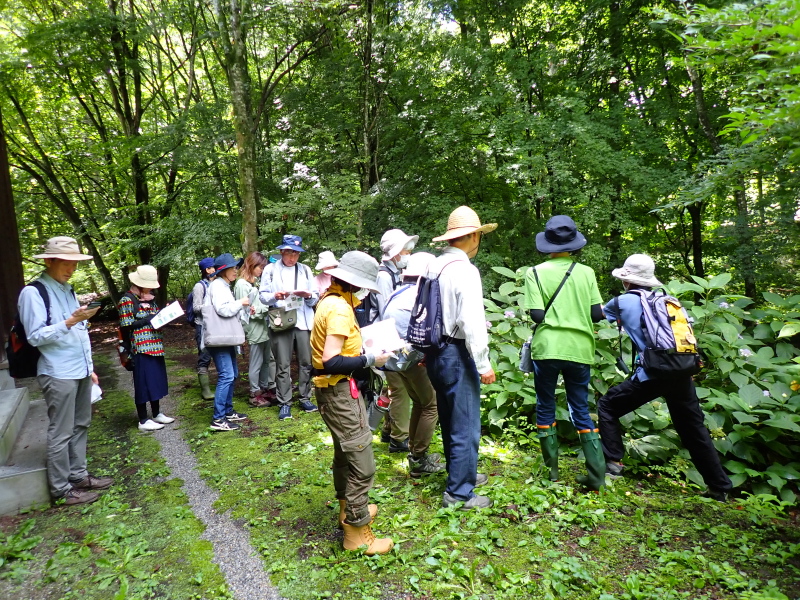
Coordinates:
395 241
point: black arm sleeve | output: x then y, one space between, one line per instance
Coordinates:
537 314
141 322
343 365
597 313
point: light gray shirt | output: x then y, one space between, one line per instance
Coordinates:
385 285
66 352
463 314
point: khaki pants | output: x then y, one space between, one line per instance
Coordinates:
353 461
412 389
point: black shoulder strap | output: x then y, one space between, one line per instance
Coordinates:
553 297
45 297
386 269
134 300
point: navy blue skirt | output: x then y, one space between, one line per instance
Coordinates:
149 378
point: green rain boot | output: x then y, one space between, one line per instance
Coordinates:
548 441
205 387
595 460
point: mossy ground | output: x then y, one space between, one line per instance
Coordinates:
648 537
140 540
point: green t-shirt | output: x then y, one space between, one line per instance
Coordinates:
567 332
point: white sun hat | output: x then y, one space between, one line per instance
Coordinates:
639 269
326 260
145 276
394 241
418 264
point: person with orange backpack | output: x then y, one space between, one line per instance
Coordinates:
666 360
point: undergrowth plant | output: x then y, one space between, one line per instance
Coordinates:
748 387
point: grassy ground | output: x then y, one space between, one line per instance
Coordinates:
644 538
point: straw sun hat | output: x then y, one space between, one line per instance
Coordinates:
464 221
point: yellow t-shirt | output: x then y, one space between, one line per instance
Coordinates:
334 316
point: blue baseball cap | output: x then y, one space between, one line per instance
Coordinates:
292 242
206 263
226 261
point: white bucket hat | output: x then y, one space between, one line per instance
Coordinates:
463 221
358 269
63 247
418 264
145 276
326 260
394 241
639 269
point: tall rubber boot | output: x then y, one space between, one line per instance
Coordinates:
595 460
205 386
373 511
548 442
355 537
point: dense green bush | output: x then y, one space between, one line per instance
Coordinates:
749 386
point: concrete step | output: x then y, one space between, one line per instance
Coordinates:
23 477
13 408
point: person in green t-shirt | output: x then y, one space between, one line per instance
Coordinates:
563 341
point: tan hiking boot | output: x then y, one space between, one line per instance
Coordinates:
356 537
373 511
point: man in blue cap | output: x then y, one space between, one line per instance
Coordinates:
207 271
290 289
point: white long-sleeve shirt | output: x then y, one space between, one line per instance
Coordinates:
463 314
222 298
277 277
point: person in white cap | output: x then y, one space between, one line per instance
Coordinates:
638 272
56 324
325 263
457 370
335 354
413 400
396 246
136 309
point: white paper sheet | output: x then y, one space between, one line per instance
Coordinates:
381 337
167 314
293 302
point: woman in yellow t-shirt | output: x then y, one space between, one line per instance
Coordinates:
335 354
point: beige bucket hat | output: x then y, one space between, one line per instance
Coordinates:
145 276
394 241
63 247
326 260
464 221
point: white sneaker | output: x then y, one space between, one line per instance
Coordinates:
163 419
150 425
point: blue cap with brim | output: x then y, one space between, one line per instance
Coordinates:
206 263
226 261
292 242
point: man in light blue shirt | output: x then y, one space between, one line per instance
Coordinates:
65 370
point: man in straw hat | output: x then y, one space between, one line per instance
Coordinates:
458 370
65 369
564 300
335 354
638 272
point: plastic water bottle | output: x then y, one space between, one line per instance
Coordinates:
376 411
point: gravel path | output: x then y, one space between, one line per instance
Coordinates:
239 563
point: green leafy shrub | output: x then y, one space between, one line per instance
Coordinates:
15 548
748 388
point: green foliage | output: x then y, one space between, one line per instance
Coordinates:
749 387
15 548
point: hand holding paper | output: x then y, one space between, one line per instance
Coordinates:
167 314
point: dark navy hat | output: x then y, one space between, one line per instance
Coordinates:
226 261
560 235
206 263
292 242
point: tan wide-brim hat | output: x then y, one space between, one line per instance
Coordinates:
63 247
464 221
145 276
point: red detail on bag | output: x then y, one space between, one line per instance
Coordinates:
353 389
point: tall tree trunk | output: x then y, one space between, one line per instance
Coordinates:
233 38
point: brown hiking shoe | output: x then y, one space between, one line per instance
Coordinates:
74 496
256 400
90 482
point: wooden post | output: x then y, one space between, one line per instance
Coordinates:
10 256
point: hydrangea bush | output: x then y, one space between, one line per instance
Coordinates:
749 386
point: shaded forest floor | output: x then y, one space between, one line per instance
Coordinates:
646 537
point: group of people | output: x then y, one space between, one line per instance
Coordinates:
287 310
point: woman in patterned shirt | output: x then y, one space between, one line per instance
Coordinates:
136 308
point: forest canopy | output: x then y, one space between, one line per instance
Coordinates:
162 131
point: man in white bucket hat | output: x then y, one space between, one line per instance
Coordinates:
638 272
457 370
55 323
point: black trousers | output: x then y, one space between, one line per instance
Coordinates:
687 417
